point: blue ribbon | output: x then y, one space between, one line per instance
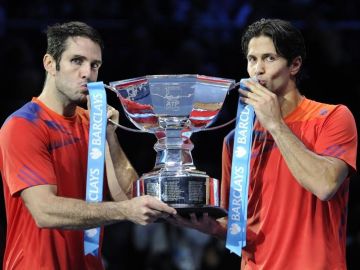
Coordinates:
96 157
240 174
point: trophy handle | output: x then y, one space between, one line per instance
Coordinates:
126 128
218 127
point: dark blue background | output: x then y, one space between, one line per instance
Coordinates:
165 37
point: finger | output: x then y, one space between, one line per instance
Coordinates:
109 107
163 215
250 83
255 87
248 101
177 217
206 218
151 215
110 111
249 95
181 221
243 92
148 220
172 220
157 214
168 209
160 206
193 218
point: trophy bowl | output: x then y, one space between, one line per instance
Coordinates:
172 107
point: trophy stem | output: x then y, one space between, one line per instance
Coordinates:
174 150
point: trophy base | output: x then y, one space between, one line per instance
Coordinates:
213 211
187 192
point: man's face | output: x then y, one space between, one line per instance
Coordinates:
79 64
266 65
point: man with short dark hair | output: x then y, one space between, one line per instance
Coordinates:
303 153
43 163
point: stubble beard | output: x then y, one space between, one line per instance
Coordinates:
65 93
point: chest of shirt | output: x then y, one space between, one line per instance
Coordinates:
67 146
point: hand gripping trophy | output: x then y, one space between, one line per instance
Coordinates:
173 107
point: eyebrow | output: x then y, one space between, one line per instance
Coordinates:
264 55
97 62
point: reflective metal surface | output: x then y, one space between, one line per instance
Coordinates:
173 107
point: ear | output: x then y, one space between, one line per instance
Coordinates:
49 64
295 65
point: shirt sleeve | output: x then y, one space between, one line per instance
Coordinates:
338 136
26 160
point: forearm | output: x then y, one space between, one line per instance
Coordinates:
121 173
68 213
52 211
318 174
118 192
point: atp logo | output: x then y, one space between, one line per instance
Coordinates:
95 153
235 228
240 152
91 233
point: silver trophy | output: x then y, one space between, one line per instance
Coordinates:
173 107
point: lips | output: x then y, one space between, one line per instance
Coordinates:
84 86
84 90
262 82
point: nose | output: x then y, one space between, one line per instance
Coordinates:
85 71
259 68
